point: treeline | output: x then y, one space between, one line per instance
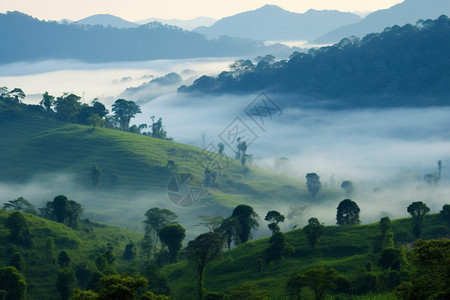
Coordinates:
410 65
39 40
68 108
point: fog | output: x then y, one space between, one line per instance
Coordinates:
384 152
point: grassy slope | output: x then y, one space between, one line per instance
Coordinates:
347 249
133 167
40 272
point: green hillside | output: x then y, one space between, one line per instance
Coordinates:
82 246
348 249
136 170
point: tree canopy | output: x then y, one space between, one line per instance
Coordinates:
347 213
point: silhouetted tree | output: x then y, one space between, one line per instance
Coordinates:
67 107
20 204
157 218
125 111
47 102
445 212
247 218
347 213
418 210
274 217
313 184
172 235
348 188
230 229
313 231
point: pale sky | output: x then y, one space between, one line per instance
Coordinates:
135 10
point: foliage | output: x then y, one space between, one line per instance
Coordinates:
172 235
66 283
17 262
156 219
246 217
313 184
84 295
201 251
20 204
129 253
120 287
391 258
418 210
385 225
313 231
431 278
445 212
230 229
278 247
125 111
274 217
67 107
13 282
347 213
150 296
18 227
248 291
157 283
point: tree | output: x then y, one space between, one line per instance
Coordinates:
385 225
66 283
61 208
211 222
313 184
129 252
230 229
241 149
320 280
67 107
18 227
418 210
157 218
313 231
47 102
201 251
277 247
147 246
125 111
17 94
158 129
348 188
13 283
95 121
120 287
246 217
17 262
20 204
431 276
347 213
445 212
274 217
84 295
63 259
172 235
96 176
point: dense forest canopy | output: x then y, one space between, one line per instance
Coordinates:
412 61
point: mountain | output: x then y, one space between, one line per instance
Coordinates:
31 39
401 66
271 22
107 20
185 24
403 13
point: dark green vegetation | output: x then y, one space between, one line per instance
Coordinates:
401 66
103 44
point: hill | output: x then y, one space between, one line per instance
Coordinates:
401 66
272 23
185 24
107 20
100 44
407 12
50 238
349 250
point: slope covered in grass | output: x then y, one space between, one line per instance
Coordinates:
346 249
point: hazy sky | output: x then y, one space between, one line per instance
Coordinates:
134 10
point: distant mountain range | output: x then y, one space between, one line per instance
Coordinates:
185 24
271 22
31 39
107 20
406 12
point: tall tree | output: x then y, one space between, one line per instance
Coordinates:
125 111
67 107
157 218
230 229
201 251
347 213
47 102
247 218
274 217
172 235
313 231
418 210
313 184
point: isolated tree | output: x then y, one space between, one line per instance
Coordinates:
418 210
125 111
157 218
445 212
96 176
20 204
274 217
320 280
313 231
18 228
47 102
313 184
348 188
17 261
13 283
172 235
247 219
201 251
230 229
347 213
66 283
